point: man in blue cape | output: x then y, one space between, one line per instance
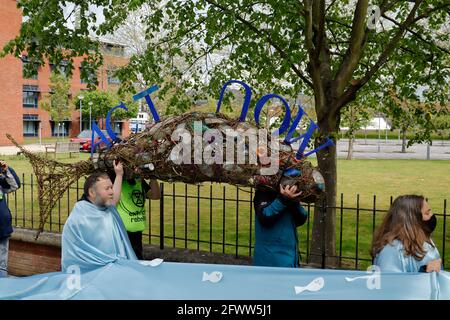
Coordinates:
94 234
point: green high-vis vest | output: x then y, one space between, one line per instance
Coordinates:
131 206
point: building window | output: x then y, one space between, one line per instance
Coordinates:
87 74
29 69
63 67
30 96
61 129
111 78
117 127
30 125
113 49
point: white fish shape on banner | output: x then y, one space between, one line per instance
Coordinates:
315 285
356 278
152 263
213 277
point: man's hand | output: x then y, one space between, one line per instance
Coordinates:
118 168
154 193
289 191
434 265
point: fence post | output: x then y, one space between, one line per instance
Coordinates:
341 229
161 217
23 200
32 201
443 233
323 224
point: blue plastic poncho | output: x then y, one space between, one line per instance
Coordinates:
392 258
93 237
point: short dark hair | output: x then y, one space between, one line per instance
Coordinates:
92 179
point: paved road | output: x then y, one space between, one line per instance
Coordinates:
363 149
391 149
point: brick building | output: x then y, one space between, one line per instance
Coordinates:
20 96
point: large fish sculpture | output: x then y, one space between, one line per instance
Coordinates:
175 149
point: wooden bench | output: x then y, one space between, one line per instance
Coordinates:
63 147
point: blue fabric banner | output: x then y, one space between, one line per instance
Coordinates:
132 279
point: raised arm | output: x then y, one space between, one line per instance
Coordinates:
117 187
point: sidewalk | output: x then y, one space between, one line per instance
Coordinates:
391 149
13 150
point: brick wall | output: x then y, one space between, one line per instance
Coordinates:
28 256
11 80
10 76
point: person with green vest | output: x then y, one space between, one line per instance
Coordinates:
131 208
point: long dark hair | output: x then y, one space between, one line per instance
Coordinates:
403 222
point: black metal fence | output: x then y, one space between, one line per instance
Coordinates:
220 218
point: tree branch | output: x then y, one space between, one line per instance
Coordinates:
319 17
427 14
355 49
182 35
350 93
263 34
319 55
309 30
330 5
418 36
205 53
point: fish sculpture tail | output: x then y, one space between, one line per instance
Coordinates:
53 178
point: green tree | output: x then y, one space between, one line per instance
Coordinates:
324 48
354 117
441 124
412 115
402 116
97 103
57 102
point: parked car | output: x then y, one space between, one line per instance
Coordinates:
86 147
85 136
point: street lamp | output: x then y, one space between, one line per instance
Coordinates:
81 97
90 115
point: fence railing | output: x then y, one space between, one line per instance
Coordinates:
220 218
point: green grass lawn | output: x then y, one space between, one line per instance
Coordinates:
393 135
31 140
190 213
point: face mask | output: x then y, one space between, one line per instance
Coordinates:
430 225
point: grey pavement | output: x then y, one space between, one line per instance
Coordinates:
12 150
391 149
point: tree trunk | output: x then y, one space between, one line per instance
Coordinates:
323 244
403 140
350 148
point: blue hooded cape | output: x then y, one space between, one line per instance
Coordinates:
392 258
93 237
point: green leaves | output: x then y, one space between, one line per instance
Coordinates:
57 102
100 102
196 46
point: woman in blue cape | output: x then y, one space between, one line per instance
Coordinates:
94 234
403 241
